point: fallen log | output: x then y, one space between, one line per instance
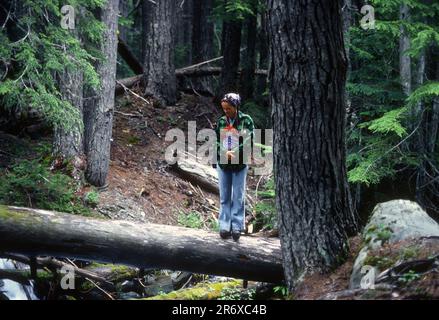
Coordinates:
198 174
184 72
128 56
40 232
204 176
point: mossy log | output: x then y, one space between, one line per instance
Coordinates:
39 232
202 291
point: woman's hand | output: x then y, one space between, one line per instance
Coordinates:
230 155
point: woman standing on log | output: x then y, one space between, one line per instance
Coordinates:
234 131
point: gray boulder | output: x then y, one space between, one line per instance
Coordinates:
391 222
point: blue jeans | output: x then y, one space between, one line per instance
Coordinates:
232 199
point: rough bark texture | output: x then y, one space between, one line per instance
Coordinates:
98 108
261 86
248 76
307 77
123 11
404 58
426 114
158 66
69 142
183 32
202 41
231 52
39 232
420 144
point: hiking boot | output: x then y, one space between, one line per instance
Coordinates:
236 235
224 234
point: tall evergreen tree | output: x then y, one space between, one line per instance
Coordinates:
202 41
99 103
231 45
307 82
159 68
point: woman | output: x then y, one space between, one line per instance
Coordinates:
234 132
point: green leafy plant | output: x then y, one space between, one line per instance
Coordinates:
377 233
281 290
237 294
191 220
91 198
409 277
31 183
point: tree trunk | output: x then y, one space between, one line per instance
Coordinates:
158 65
202 41
98 110
263 57
404 58
123 11
183 31
231 53
307 78
38 232
68 142
421 143
248 76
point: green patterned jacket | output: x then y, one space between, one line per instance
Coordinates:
245 126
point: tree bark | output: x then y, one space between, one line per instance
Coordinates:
98 110
248 75
307 80
202 41
158 65
69 142
421 143
38 232
231 52
261 86
123 11
404 58
183 32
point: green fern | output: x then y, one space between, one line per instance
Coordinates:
390 122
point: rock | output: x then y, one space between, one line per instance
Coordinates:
180 278
392 222
161 284
128 295
127 286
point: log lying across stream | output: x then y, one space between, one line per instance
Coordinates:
39 232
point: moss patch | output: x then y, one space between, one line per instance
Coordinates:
202 291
